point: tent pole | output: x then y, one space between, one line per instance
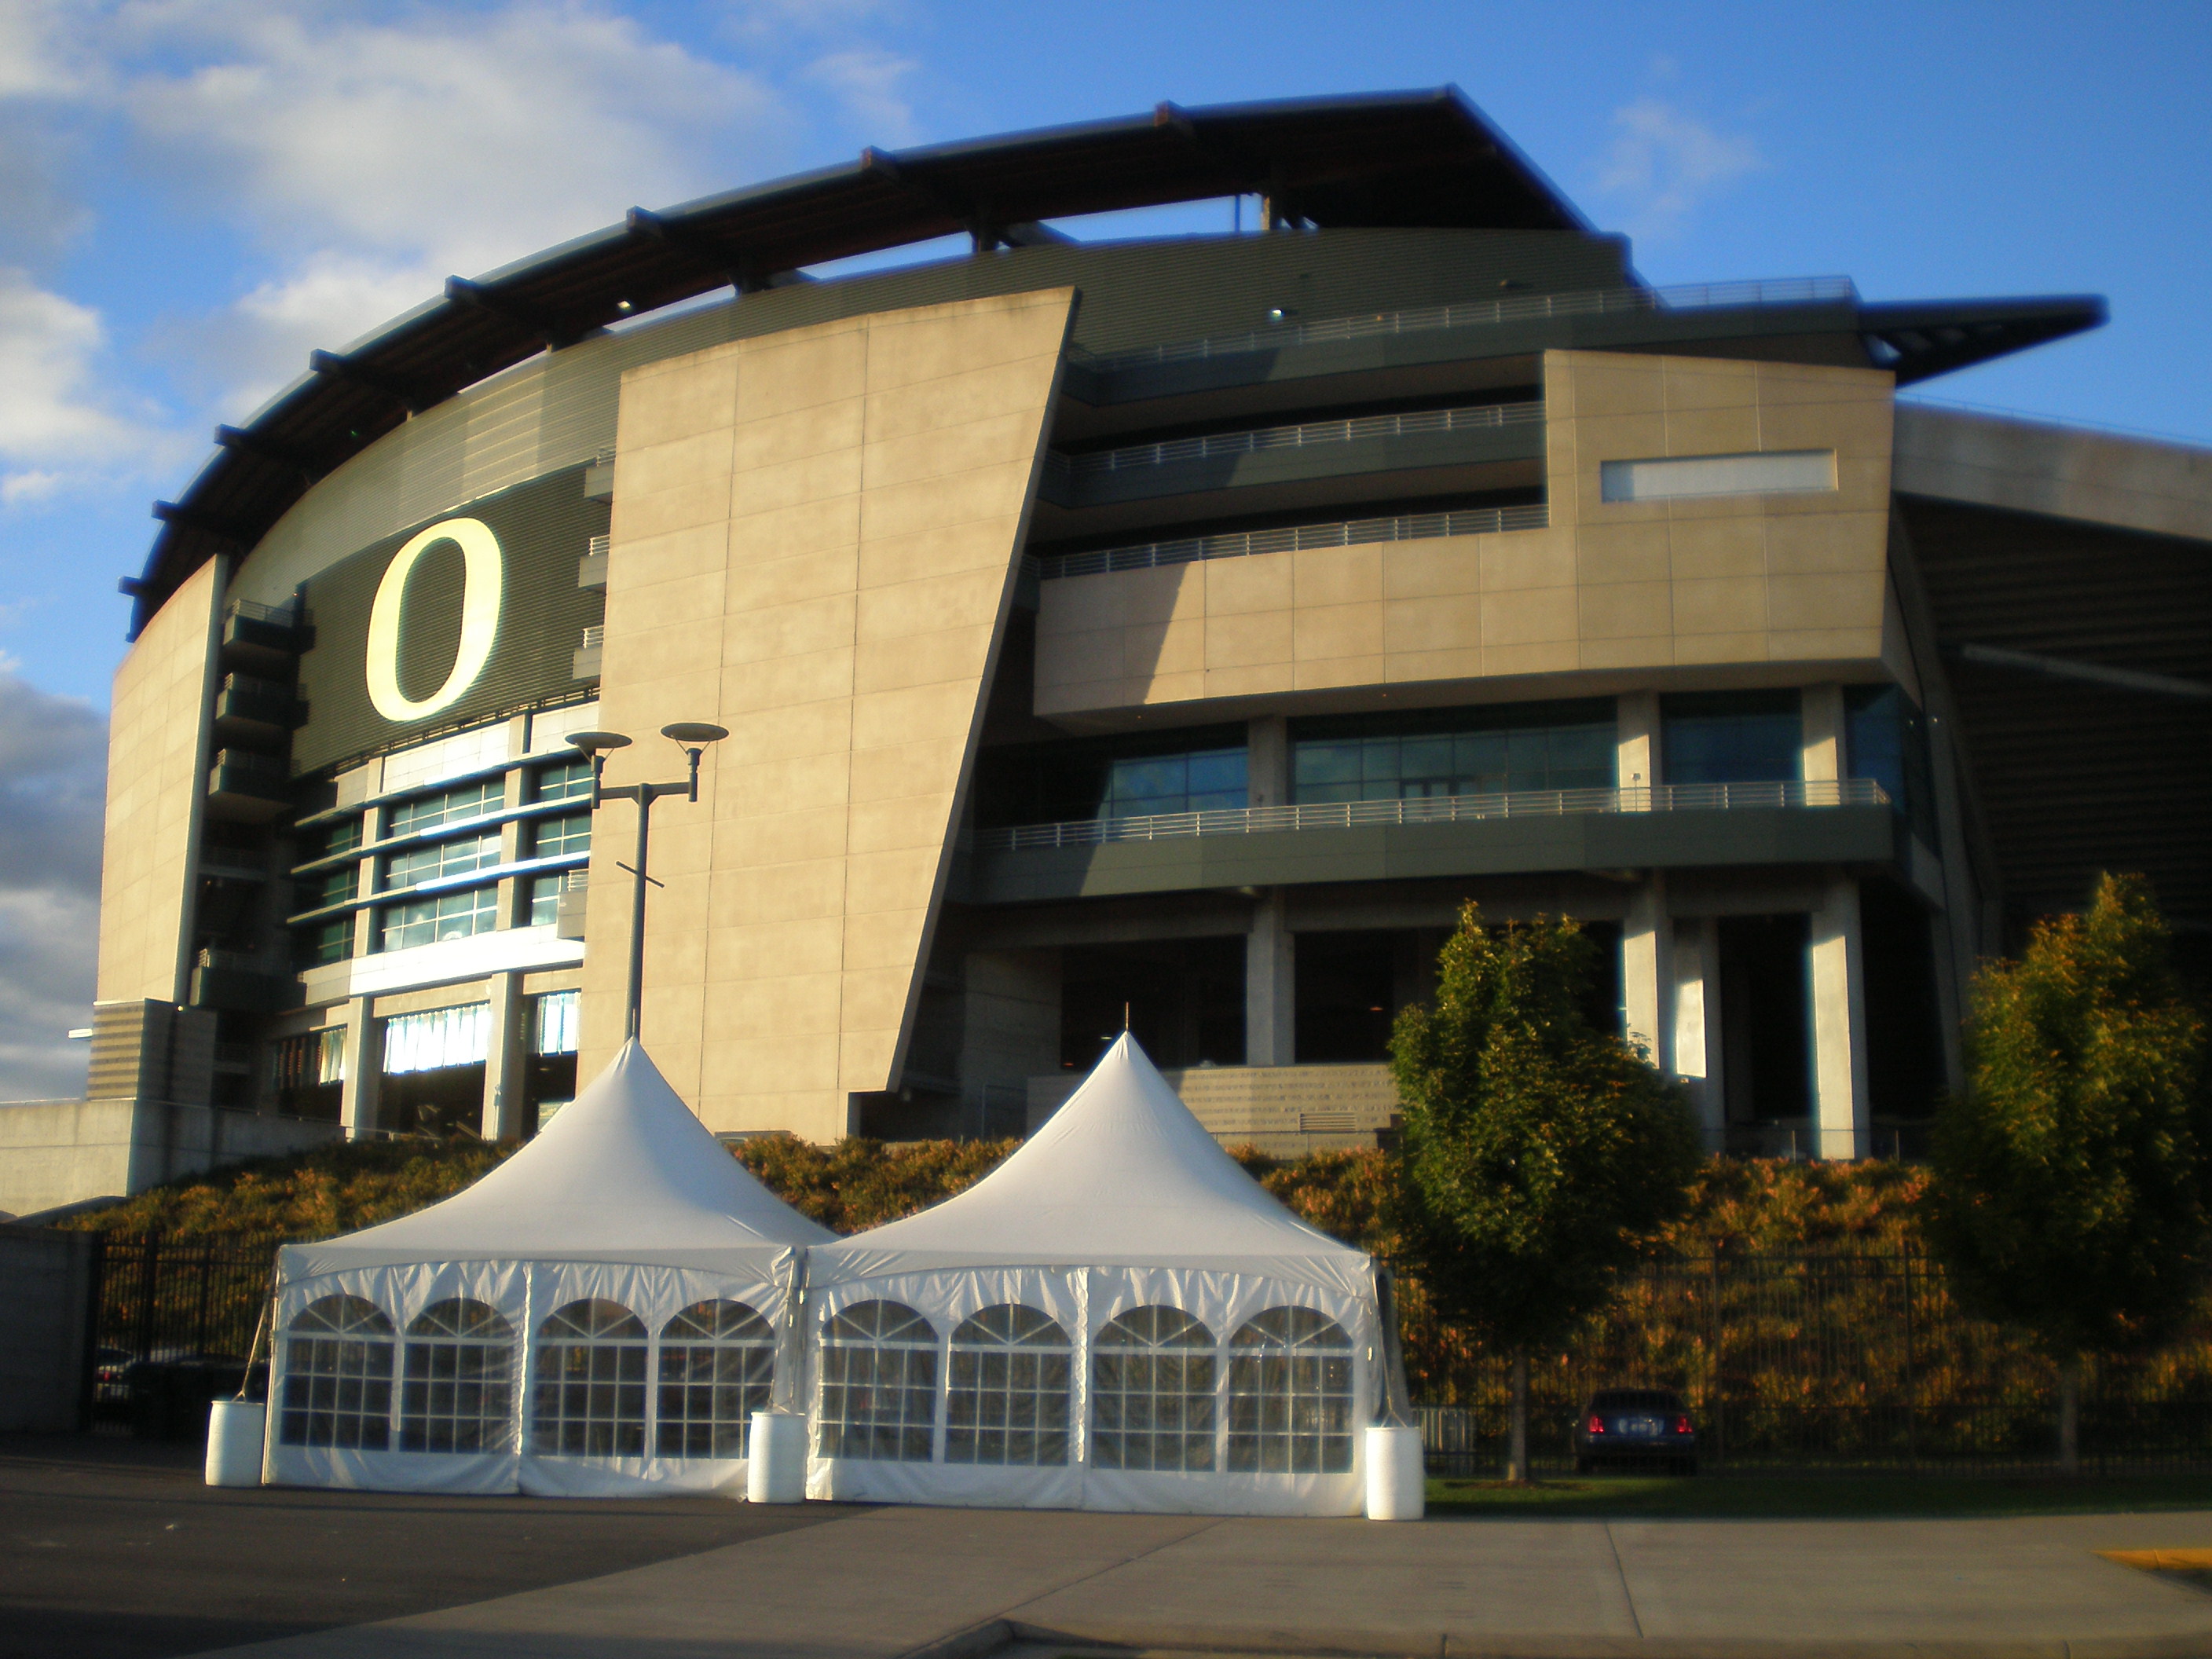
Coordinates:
634 1000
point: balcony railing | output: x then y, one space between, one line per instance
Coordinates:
1794 290
1302 435
1353 532
1437 809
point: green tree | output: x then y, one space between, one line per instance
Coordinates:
1538 1153
2072 1182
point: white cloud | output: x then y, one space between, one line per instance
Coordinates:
58 424
1665 163
52 787
865 82
371 160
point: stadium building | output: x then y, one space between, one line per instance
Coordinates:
1173 631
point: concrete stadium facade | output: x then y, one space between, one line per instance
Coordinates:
1174 631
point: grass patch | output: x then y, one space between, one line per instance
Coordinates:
1815 1496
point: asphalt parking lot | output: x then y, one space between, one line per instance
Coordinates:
115 1549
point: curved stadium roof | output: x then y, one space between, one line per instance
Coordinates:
1425 159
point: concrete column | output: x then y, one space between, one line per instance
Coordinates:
1698 1053
513 892
507 1063
1268 762
1647 973
1271 1000
364 1070
1821 758
1843 1126
364 919
1638 759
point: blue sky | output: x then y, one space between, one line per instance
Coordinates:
194 193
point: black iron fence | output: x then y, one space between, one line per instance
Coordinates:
174 1304
1836 1361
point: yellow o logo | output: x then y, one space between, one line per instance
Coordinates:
480 594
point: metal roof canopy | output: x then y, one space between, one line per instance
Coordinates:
1420 159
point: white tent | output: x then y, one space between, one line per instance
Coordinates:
597 1317
1116 1318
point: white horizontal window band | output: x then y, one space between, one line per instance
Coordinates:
1776 472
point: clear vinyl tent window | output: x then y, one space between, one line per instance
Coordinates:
588 1399
1010 1390
1151 1392
878 1384
1290 1395
717 1367
457 1386
337 1376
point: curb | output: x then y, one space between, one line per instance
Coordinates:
993 1634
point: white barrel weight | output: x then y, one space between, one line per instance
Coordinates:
775 1467
236 1429
1397 1482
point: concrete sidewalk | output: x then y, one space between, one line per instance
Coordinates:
953 1582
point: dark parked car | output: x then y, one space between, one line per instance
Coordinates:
1636 1428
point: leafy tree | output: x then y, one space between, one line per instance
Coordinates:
1538 1153
2073 1191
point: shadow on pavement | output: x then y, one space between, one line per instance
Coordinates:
114 1549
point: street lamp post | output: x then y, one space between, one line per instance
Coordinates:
693 737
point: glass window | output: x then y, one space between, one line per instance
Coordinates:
1887 737
1454 751
311 1073
460 1036
340 837
553 837
331 887
1290 1395
558 1022
324 941
545 898
432 920
1200 770
717 1364
1012 1377
878 1384
562 780
470 800
1151 1392
589 1397
1731 736
336 1366
458 1391
439 859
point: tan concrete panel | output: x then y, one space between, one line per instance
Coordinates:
1720 648
1336 575
1543 614
1236 586
1720 605
1811 542
874 478
1445 622
1626 610
1639 651
1248 640
156 762
681 464
1709 549
1336 630
1622 553
1852 601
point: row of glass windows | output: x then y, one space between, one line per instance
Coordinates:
1160 1395
1706 738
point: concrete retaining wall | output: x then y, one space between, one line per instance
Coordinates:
61 1151
46 1309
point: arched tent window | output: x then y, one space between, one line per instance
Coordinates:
1290 1395
337 1376
1012 1380
878 1384
717 1363
589 1397
1151 1392
457 1391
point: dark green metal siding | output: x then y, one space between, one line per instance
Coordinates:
544 528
